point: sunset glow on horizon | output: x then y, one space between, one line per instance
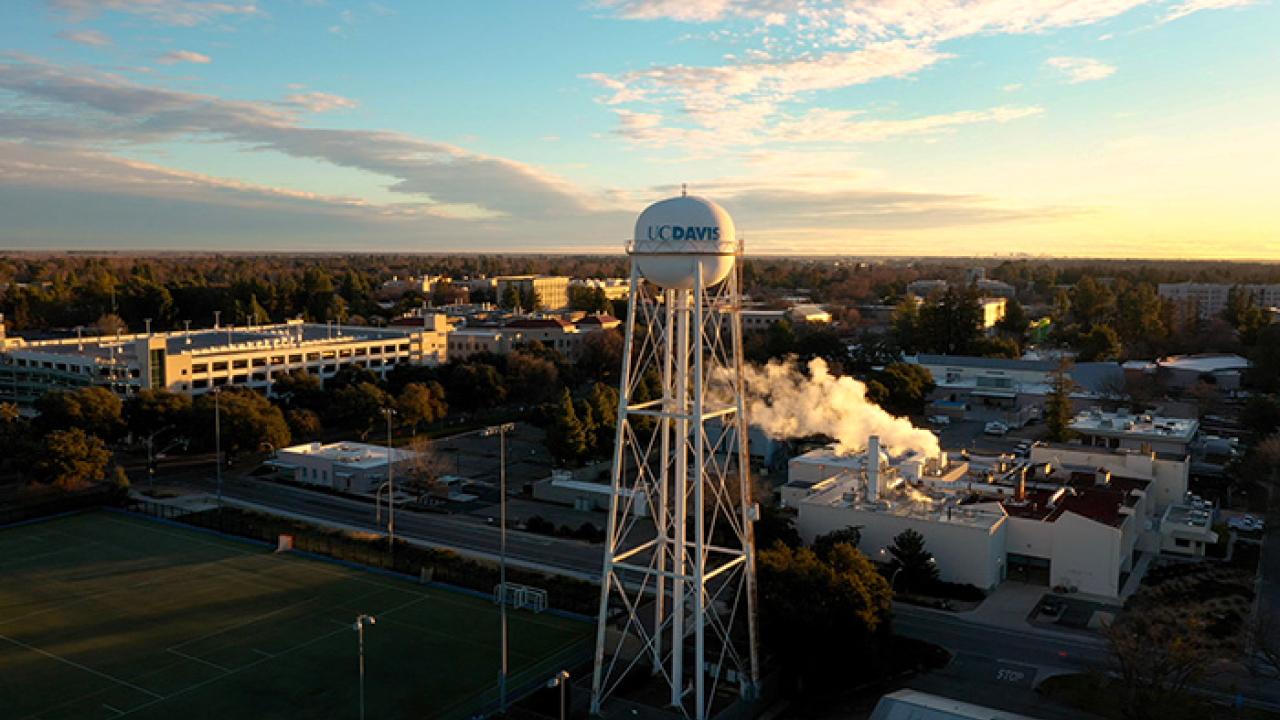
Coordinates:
1090 128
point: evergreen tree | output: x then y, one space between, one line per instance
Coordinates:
1057 405
566 438
912 561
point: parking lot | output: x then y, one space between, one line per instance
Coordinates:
968 435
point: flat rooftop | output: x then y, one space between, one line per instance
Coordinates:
1147 427
354 454
912 504
210 340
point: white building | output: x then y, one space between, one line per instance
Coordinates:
1144 433
553 332
613 288
552 290
1069 516
1210 299
195 361
344 466
809 313
992 311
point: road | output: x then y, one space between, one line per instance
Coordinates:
464 534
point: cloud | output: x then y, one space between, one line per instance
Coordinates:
319 102
181 13
1194 6
85 105
1081 69
180 56
92 38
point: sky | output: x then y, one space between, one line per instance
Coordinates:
1101 128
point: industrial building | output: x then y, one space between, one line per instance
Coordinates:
344 466
196 361
1070 516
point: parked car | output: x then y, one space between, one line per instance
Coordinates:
939 420
995 427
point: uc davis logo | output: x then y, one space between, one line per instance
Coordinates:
680 232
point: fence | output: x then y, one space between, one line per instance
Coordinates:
31 508
371 549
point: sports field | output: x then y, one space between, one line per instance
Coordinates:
104 615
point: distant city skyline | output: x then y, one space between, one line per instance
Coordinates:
1099 128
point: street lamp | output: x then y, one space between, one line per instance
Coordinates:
501 431
391 486
560 680
217 442
361 621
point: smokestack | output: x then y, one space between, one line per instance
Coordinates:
873 468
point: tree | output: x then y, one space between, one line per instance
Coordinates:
299 389
603 400
421 403
912 561
566 438
423 470
1015 320
906 323
72 459
950 323
96 410
475 385
303 423
1091 302
531 378
839 598
1264 374
155 409
1243 314
1156 656
361 405
600 357
824 544
1140 319
110 324
1058 412
907 387
1099 344
994 346
248 421
511 299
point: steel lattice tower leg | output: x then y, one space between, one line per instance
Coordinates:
678 588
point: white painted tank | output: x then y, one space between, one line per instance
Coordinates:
677 236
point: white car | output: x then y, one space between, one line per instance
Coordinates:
939 420
995 427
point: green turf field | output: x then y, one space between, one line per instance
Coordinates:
104 615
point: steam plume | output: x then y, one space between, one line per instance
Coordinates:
786 404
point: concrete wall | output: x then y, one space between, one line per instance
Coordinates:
1086 555
972 554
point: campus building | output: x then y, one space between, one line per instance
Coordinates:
1210 299
1012 391
1068 516
1141 432
195 361
555 333
552 290
344 466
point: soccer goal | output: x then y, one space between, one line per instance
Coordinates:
521 597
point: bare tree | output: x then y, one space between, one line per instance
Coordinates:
1156 656
423 470
1264 641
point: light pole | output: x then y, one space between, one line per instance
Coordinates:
391 486
361 621
560 680
501 431
217 442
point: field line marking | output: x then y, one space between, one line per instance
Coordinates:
211 664
242 668
77 665
263 653
114 710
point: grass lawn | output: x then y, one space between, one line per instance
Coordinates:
104 615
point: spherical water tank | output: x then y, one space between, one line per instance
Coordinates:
677 236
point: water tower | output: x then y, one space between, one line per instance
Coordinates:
678 595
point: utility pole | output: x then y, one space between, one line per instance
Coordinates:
217 444
391 486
